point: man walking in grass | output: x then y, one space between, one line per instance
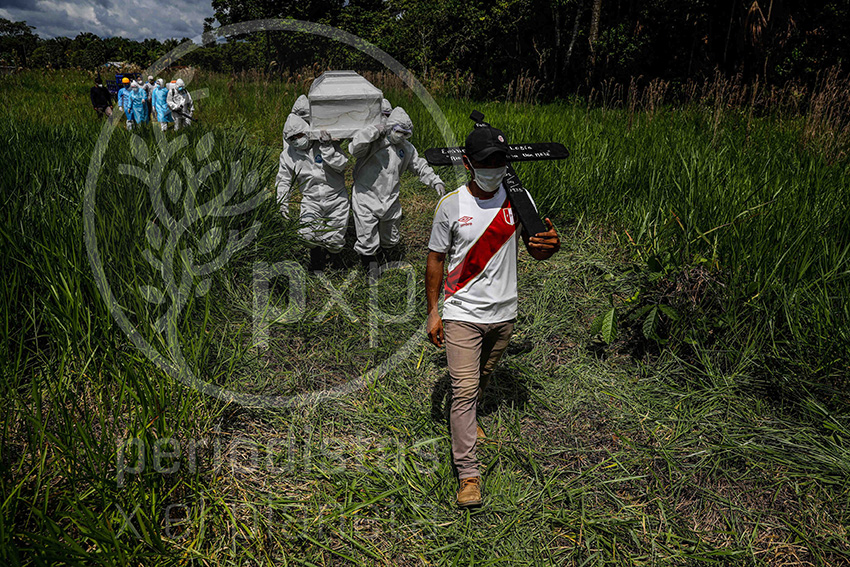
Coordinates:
475 228
101 99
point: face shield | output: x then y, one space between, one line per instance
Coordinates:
299 141
399 134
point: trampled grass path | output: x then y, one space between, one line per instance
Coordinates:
622 454
591 455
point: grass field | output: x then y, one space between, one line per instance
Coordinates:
713 431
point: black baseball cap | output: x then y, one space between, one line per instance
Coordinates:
485 141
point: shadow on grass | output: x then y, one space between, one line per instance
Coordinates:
507 388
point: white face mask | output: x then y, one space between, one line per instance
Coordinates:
300 143
489 179
395 137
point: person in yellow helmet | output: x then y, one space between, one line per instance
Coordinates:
124 94
124 103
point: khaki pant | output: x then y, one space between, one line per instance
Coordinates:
472 349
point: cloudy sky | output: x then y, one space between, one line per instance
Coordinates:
134 19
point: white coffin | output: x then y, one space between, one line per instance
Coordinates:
343 102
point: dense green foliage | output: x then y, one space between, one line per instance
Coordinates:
750 200
556 48
727 443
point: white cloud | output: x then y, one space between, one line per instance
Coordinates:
74 11
134 19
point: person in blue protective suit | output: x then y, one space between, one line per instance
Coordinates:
159 97
124 103
139 100
383 153
318 169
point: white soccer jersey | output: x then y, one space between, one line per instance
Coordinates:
480 238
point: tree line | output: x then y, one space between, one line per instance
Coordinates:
21 47
563 46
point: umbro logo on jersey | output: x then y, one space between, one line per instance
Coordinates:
465 221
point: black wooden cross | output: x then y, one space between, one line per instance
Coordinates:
517 194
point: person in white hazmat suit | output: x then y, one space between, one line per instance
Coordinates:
383 153
180 102
300 108
318 169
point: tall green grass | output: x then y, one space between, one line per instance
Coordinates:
592 459
756 202
73 388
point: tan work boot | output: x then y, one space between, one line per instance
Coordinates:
479 433
469 493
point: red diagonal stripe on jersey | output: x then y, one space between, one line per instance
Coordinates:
491 241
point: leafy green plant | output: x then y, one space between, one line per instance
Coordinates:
652 315
606 325
649 316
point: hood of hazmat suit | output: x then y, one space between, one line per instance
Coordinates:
398 117
301 108
293 126
386 107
